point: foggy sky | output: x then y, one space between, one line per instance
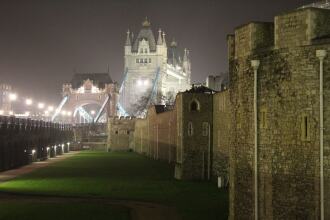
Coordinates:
43 41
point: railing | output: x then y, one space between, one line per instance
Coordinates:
23 141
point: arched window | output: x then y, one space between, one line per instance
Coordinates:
190 129
205 128
145 50
194 106
146 60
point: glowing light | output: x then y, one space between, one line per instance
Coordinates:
139 82
46 113
27 113
41 105
33 151
93 112
12 97
47 148
63 113
69 113
28 101
50 108
68 143
11 113
146 82
1 112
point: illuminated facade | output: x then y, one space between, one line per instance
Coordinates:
5 104
153 68
90 97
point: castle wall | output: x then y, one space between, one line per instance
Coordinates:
120 133
288 123
162 134
221 136
195 142
141 137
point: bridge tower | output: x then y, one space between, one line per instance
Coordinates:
88 98
152 67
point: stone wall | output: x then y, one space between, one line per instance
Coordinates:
221 136
141 137
288 123
194 136
121 133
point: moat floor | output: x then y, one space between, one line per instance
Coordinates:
100 185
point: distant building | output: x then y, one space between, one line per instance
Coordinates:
5 103
218 82
152 67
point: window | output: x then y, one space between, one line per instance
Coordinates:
141 60
149 60
127 132
116 132
205 128
194 106
137 61
145 50
141 50
263 118
190 129
305 128
146 60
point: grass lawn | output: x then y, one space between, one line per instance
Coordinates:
64 211
124 176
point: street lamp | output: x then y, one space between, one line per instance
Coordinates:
41 105
12 97
28 101
50 108
92 112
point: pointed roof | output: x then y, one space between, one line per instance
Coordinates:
146 34
99 79
160 39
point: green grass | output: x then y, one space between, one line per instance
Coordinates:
64 211
124 176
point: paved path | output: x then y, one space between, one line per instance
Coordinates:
11 174
139 210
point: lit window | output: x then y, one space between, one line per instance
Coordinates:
190 129
205 128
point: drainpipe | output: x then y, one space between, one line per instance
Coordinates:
321 55
209 154
255 65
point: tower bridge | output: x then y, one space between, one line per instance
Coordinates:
88 98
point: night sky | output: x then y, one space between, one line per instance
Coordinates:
43 41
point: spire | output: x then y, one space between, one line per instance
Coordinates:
128 40
160 40
164 40
146 23
185 56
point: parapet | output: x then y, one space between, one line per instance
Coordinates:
252 36
301 27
